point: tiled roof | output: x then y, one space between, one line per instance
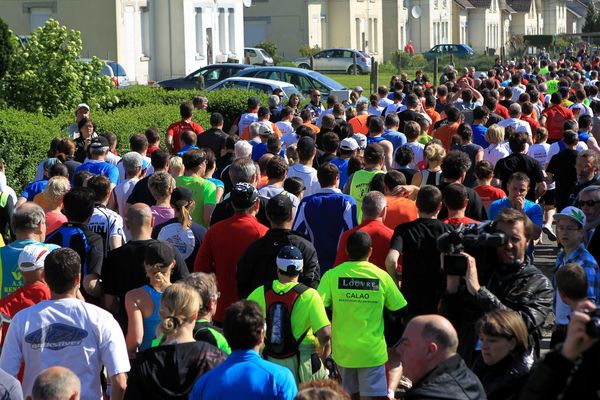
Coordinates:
464 4
577 8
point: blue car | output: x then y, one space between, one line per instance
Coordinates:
304 80
457 50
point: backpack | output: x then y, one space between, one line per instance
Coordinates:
68 231
279 339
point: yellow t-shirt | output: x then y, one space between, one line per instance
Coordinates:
357 292
308 312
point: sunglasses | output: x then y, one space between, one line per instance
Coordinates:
589 203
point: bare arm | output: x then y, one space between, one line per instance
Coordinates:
118 384
21 200
324 337
208 210
169 143
135 324
91 285
417 179
115 242
391 265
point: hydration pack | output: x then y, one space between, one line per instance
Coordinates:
279 340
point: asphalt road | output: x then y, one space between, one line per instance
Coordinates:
545 259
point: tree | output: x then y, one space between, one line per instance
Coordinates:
7 47
48 76
592 18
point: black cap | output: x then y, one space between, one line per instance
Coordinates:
181 194
293 185
243 196
280 205
159 252
99 142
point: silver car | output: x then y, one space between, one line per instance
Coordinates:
337 60
256 84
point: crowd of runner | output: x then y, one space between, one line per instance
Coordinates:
378 247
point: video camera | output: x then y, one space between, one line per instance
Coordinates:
471 236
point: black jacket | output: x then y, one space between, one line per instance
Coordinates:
503 380
450 380
170 371
526 291
557 377
257 265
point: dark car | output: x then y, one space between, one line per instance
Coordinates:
212 74
304 80
457 50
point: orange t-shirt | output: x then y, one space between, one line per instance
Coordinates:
246 134
399 211
315 128
445 133
435 117
359 124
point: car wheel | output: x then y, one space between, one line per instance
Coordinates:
351 70
304 66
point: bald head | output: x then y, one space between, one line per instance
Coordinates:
138 218
514 110
56 383
439 330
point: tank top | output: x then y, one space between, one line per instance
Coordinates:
153 320
430 178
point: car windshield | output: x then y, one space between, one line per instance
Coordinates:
264 53
117 69
333 85
289 90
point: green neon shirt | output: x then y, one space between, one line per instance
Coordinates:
308 313
357 292
203 192
359 187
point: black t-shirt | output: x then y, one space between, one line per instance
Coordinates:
562 166
141 193
517 162
408 174
423 282
213 139
222 164
124 270
475 208
408 115
493 118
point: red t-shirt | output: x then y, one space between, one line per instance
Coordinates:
21 299
489 193
174 130
457 221
54 220
399 211
381 236
151 149
224 244
501 111
533 123
445 133
556 116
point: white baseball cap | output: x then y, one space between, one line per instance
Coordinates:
83 105
349 144
32 257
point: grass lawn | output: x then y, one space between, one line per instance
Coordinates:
350 81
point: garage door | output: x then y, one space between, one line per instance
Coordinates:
255 31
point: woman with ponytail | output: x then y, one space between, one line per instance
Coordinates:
181 232
142 304
170 370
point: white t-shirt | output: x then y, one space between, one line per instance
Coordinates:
394 108
68 333
112 158
375 110
308 176
106 223
181 239
385 102
539 152
122 192
519 125
288 134
417 149
495 152
580 109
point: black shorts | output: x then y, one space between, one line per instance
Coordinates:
547 198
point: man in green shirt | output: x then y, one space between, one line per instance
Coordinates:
307 320
204 192
358 184
358 293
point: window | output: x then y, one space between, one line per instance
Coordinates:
199 38
274 75
145 30
260 87
376 36
231 26
38 16
300 82
222 43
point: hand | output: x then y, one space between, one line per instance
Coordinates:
471 278
577 340
519 203
404 190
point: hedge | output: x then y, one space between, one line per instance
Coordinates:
25 137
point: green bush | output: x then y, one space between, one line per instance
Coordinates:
307 51
24 141
7 47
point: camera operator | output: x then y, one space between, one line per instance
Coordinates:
513 284
570 371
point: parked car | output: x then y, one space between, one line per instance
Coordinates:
256 56
304 80
256 84
212 74
115 71
337 60
457 50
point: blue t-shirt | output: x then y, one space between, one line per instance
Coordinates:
98 167
218 183
187 148
260 150
532 210
246 375
479 135
34 188
397 138
342 165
